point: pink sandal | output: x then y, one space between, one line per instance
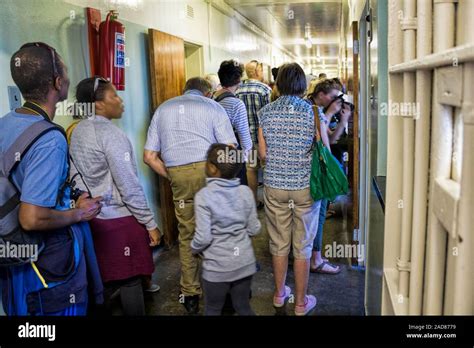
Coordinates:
279 301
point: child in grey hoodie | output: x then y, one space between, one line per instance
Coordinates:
226 218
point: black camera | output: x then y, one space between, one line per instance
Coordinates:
76 192
345 101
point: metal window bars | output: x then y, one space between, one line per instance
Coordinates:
429 217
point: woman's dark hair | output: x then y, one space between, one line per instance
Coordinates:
275 73
230 73
227 159
33 70
85 89
291 80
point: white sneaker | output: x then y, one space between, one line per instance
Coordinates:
279 301
153 288
309 305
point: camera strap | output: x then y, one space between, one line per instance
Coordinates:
78 173
69 181
37 110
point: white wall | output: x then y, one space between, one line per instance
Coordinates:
355 9
221 36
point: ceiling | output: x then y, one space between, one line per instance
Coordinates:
289 22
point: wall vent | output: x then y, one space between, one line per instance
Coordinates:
189 11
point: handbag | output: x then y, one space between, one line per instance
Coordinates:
327 179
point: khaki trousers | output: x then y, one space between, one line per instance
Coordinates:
291 220
186 181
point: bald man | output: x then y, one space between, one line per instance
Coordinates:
254 70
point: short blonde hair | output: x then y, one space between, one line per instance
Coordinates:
251 68
312 86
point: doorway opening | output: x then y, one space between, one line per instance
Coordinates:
193 60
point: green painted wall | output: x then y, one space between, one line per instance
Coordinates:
50 21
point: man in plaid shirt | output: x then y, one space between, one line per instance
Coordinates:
255 95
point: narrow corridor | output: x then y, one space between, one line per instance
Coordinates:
341 294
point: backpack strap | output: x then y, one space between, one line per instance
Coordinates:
224 95
15 152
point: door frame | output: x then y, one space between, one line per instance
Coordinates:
200 50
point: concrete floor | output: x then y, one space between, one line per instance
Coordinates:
341 294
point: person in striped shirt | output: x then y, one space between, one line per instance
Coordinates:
255 95
230 74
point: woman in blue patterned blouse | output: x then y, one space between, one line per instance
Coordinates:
286 132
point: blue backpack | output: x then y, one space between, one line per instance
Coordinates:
12 236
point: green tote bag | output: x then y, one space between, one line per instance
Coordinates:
327 178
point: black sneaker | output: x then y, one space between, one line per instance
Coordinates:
191 303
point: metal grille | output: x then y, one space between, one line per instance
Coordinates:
428 259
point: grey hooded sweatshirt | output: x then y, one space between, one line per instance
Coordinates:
226 218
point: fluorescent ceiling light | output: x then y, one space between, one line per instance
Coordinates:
131 4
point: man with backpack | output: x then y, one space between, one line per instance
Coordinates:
230 74
35 203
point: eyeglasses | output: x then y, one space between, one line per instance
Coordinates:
97 80
53 55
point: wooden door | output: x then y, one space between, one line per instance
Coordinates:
167 70
355 130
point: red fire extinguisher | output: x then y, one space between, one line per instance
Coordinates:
112 51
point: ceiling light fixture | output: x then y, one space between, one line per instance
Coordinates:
307 36
134 5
